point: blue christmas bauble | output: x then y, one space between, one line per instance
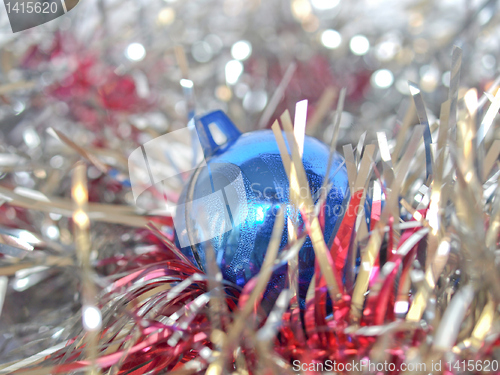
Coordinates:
230 203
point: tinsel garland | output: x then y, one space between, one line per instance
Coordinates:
410 283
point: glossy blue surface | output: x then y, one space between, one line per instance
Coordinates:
240 251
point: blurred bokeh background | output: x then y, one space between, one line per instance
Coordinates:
111 64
